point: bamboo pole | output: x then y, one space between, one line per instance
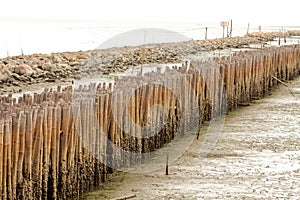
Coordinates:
47 134
20 179
2 161
53 155
6 159
15 152
64 149
37 152
28 154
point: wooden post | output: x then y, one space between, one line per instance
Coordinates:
167 164
230 28
248 28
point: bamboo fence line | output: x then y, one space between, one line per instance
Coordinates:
61 143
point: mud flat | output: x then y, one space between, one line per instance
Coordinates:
256 157
61 143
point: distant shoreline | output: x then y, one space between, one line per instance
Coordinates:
19 72
51 36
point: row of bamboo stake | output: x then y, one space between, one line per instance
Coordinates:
61 143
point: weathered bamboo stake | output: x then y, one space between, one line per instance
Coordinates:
78 151
131 123
240 82
146 141
138 123
208 92
112 129
103 138
53 155
6 158
37 154
176 114
162 110
58 133
284 67
254 93
273 69
160 116
9 160
222 92
249 77
41 147
72 150
118 120
110 132
232 85
190 101
150 117
93 134
201 97
91 141
85 145
211 93
28 154
216 98
174 111
185 103
155 116
125 197
2 161
47 130
82 141
8 131
15 152
284 85
88 127
20 179
73 158
63 149
166 108
198 96
96 143
99 137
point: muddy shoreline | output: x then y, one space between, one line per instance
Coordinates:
92 139
17 73
256 157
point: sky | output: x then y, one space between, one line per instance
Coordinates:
259 12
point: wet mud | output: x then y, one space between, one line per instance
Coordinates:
256 157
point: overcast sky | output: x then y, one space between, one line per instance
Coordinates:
262 12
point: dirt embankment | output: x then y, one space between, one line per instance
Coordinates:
17 72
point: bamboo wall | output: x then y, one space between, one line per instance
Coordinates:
59 144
